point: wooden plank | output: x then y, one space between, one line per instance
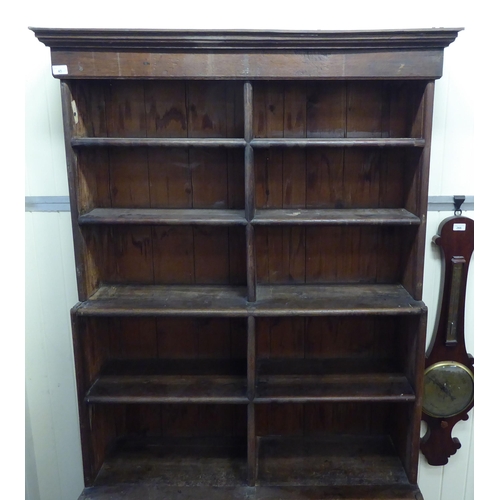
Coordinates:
158 491
335 142
211 255
335 388
404 64
335 216
251 357
209 171
251 264
159 216
326 109
170 181
292 300
131 259
129 178
167 389
173 257
156 300
166 108
324 174
273 300
125 109
133 141
280 254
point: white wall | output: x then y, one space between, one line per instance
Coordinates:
53 462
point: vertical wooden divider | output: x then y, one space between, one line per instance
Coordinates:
251 279
251 373
249 190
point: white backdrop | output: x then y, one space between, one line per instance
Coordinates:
53 462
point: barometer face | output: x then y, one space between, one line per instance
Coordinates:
448 389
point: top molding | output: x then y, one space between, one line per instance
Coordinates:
255 40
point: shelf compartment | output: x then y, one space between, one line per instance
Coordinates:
181 462
272 300
345 110
335 380
170 381
156 216
360 460
299 216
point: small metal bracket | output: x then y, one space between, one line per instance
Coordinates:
458 201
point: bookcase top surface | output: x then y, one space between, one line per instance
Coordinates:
245 40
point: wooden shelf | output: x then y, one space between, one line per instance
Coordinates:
133 300
167 389
272 300
334 380
321 300
177 462
338 142
170 381
151 216
362 216
157 142
333 388
157 491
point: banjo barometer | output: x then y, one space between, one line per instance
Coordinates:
449 370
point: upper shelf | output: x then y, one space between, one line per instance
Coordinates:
238 143
214 217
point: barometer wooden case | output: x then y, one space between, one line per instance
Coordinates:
448 377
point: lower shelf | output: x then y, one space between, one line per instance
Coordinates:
323 468
326 461
179 462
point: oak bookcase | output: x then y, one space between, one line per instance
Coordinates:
248 213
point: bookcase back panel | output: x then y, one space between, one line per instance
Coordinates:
160 178
169 254
328 337
332 254
338 109
309 419
334 177
119 108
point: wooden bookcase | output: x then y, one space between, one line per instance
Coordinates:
248 213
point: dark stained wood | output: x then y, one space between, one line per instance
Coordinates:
157 142
315 388
167 389
163 216
272 300
335 216
336 143
128 300
456 240
265 40
328 461
283 359
155 491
